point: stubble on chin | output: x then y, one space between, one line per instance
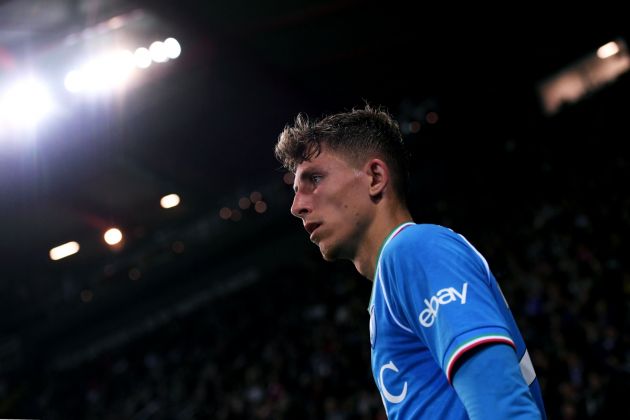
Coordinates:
331 253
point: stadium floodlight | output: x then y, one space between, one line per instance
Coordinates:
102 74
75 81
169 201
173 49
113 236
608 50
24 104
118 65
142 58
158 52
63 251
585 76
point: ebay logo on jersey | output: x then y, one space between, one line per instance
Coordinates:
442 297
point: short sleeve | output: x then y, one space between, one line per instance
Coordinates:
441 289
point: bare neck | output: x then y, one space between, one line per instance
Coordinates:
384 223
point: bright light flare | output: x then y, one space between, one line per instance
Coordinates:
112 70
119 65
25 103
608 50
74 81
113 236
158 52
142 58
104 73
63 251
173 49
169 201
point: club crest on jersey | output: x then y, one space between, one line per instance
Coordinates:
372 326
442 297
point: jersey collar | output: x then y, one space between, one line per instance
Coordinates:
389 237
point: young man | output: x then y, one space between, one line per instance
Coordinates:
444 343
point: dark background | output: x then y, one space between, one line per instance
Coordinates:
200 317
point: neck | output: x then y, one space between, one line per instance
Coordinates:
365 258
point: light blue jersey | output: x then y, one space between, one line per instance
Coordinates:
433 299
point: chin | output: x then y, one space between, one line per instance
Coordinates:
327 258
329 253
326 255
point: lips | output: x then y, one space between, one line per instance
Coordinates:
311 226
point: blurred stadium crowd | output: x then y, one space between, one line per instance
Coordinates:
294 345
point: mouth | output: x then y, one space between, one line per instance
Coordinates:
311 228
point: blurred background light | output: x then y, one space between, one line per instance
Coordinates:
24 104
74 81
172 47
169 201
63 251
142 57
104 73
608 50
244 203
113 236
158 52
225 213
260 207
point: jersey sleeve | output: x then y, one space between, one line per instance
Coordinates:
490 385
442 292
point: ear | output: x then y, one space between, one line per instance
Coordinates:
379 177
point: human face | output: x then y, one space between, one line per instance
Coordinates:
332 199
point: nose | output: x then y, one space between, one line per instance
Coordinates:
300 207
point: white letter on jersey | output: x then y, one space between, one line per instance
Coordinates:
442 297
462 295
395 399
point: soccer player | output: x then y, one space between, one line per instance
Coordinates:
444 342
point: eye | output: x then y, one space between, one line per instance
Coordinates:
316 179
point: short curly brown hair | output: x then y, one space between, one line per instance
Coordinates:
358 135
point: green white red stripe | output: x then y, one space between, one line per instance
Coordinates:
486 339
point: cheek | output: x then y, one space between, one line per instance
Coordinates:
347 202
353 210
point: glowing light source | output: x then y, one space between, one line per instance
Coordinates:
608 50
169 201
25 104
142 58
260 207
74 81
173 49
63 251
118 65
158 52
109 71
225 213
432 117
288 178
113 236
244 203
112 70
584 77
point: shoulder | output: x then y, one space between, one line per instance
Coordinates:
432 246
421 239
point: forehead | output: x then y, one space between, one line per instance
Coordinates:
325 160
